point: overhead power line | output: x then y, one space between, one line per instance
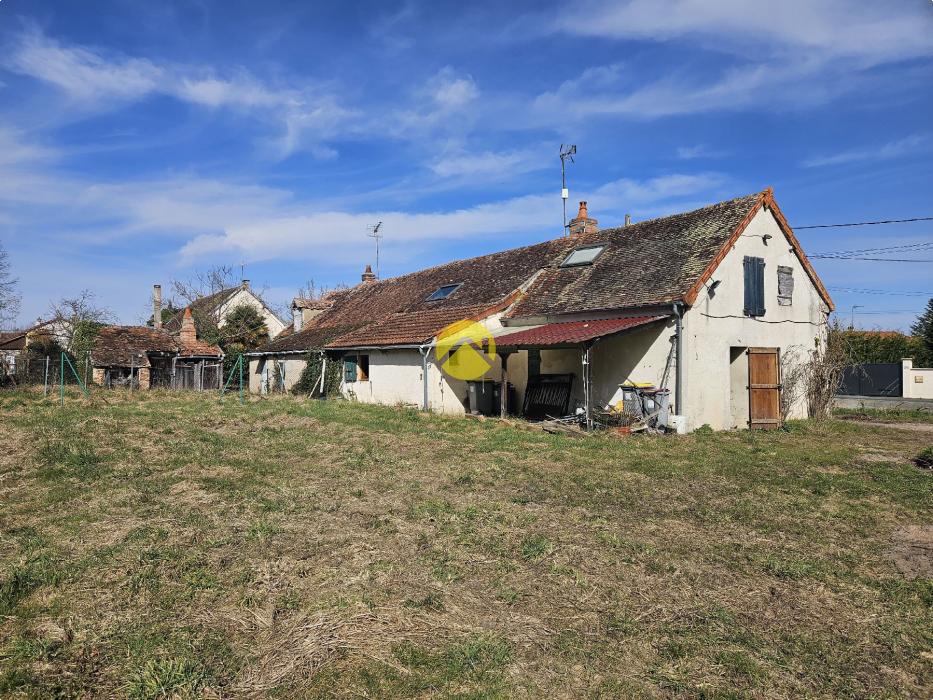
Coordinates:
856 290
867 223
898 260
926 245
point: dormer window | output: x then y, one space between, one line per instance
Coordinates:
444 292
583 256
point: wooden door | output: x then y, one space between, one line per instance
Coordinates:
764 388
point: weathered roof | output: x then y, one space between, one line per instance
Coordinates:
12 340
197 348
396 311
126 346
571 332
651 263
204 306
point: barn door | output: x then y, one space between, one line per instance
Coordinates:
764 388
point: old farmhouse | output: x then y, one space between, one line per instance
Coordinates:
702 303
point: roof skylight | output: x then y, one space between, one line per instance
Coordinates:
583 256
444 292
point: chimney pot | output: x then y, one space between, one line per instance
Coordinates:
368 274
245 284
628 219
157 306
582 223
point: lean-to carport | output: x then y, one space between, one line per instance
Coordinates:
568 335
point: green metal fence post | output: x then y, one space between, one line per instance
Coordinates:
240 361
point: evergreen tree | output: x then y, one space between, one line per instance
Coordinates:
923 329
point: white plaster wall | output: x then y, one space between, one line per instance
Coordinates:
293 367
248 298
716 323
917 381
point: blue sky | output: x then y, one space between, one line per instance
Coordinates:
142 141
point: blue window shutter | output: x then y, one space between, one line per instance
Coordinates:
754 286
349 369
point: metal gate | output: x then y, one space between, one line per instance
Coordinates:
764 388
872 379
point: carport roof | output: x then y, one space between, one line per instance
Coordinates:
569 333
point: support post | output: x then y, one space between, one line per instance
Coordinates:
504 389
678 368
424 374
240 363
323 375
61 380
587 389
45 383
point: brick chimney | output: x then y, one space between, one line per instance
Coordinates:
188 334
582 223
368 275
157 306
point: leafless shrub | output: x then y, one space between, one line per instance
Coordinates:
794 370
74 313
9 300
824 370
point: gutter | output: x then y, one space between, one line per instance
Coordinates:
679 373
424 350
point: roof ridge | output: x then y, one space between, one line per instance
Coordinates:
635 224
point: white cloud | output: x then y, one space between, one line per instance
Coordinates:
698 151
873 32
82 73
911 145
451 91
488 165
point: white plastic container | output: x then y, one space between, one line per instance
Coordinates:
678 423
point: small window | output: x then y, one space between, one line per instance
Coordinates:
785 285
444 292
362 366
754 286
534 362
349 369
583 256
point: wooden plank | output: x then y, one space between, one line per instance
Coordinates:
764 388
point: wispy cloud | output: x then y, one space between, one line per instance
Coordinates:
872 32
699 151
488 165
911 145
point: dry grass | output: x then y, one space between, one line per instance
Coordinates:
170 545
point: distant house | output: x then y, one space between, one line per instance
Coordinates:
218 306
13 344
154 357
702 303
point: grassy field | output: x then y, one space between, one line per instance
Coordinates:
895 415
173 545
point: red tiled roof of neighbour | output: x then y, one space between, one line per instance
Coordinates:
12 340
571 332
126 346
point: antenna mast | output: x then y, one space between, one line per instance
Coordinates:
374 233
566 152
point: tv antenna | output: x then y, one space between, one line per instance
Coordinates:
566 153
374 233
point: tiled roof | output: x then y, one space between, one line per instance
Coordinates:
365 310
650 262
198 348
200 308
571 332
12 340
125 346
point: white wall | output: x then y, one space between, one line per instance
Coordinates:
717 323
248 298
292 367
917 381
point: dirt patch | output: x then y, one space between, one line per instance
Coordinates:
879 457
912 552
913 427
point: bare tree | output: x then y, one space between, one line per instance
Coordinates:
71 314
204 283
9 299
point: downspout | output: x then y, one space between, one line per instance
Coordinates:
424 349
679 370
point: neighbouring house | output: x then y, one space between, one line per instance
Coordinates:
703 303
151 357
13 344
217 306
